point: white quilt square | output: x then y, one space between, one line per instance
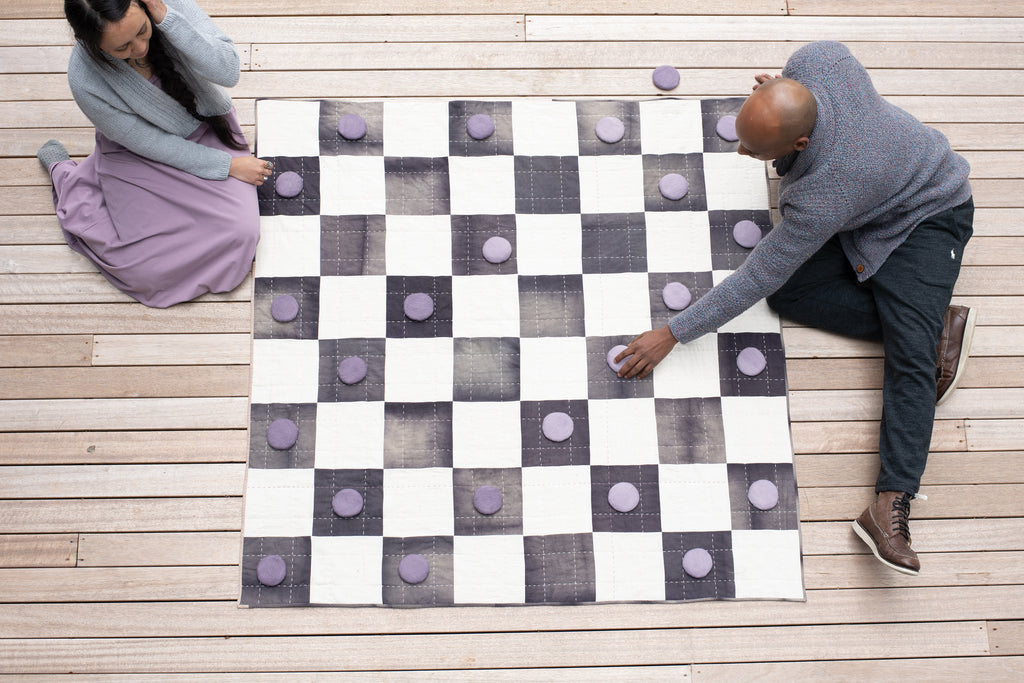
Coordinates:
419 502
289 246
350 435
556 500
489 569
345 570
552 368
612 183
544 128
279 503
694 497
352 186
669 126
735 182
418 245
629 566
757 429
482 185
353 307
288 129
678 242
415 128
623 432
616 303
485 306
767 564
549 244
757 318
690 370
486 434
419 370
285 370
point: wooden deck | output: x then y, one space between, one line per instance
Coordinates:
123 429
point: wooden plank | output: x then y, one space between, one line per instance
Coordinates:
125 319
123 447
29 229
866 404
45 350
995 251
120 514
43 259
996 165
80 288
808 342
861 469
597 675
827 436
38 550
171 349
124 382
1006 637
123 413
937 569
112 481
90 584
903 8
983 435
994 222
937 535
866 373
944 502
950 669
139 550
981 136
998 192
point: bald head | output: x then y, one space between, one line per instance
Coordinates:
776 119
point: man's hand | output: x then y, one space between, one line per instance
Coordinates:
762 79
647 350
157 9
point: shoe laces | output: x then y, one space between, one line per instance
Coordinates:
901 515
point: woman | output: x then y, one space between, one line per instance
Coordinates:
166 204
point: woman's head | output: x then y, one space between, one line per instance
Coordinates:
118 29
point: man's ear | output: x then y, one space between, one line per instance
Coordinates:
801 143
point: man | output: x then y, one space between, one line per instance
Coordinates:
876 210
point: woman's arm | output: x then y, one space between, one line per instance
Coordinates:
205 49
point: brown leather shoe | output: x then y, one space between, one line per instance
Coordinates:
885 527
954 347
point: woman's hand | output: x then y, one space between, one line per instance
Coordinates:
645 352
762 79
250 170
157 9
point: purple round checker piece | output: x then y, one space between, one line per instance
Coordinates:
751 362
697 562
288 184
746 234
612 353
487 499
763 494
676 296
271 570
623 497
557 426
347 503
352 370
673 186
284 308
418 306
665 77
480 126
497 249
282 434
352 127
413 569
610 129
726 128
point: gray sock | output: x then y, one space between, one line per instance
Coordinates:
52 152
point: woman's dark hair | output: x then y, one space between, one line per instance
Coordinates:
88 19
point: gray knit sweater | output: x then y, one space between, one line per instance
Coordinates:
870 173
134 112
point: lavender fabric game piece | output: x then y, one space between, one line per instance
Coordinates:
413 568
557 426
623 496
746 234
352 127
697 562
418 306
271 570
726 128
763 494
665 77
497 249
751 362
487 499
676 296
288 184
610 129
347 503
282 434
352 370
480 126
673 186
284 308
612 353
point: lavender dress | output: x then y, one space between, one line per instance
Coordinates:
160 234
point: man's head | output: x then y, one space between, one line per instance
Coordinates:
776 119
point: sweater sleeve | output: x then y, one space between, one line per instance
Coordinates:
205 49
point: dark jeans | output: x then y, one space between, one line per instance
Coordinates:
902 305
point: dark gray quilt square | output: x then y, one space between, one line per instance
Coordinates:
331 141
369 484
725 253
462 144
294 590
690 430
690 166
783 517
468 236
551 306
547 184
603 382
589 112
305 290
333 351
306 203
699 284
710 111
262 456
719 583
771 381
540 451
352 245
439 324
417 435
507 520
614 243
486 369
560 568
645 517
439 586
417 186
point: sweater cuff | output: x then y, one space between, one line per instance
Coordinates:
223 167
